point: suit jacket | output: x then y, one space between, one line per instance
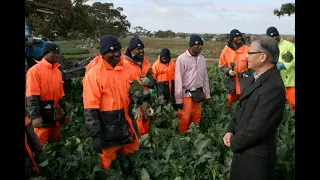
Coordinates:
258 116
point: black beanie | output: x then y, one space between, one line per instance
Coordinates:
271 31
194 40
108 43
165 53
48 47
135 42
234 33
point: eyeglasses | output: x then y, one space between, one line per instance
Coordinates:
255 52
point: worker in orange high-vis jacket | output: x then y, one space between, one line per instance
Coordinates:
33 148
163 70
135 59
44 92
106 100
191 84
234 64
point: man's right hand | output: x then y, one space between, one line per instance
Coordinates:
37 123
232 73
227 138
96 144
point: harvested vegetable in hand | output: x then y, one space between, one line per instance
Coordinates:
232 64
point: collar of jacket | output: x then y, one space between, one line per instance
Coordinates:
107 65
188 53
262 78
230 45
128 58
47 64
281 41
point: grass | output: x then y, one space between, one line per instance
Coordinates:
177 46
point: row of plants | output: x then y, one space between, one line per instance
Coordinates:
164 153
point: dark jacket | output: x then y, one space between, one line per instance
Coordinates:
32 145
258 116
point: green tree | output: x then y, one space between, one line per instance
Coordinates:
286 9
79 20
107 20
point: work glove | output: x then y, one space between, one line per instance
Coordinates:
145 81
97 144
280 65
59 113
232 73
37 122
180 106
153 92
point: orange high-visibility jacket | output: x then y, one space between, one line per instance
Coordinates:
165 76
141 70
106 103
44 86
240 58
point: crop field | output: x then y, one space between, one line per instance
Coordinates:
81 49
164 154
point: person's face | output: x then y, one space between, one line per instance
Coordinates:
52 56
276 36
237 39
255 56
138 52
164 60
113 57
196 49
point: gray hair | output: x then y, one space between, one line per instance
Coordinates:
268 45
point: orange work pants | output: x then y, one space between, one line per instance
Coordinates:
143 125
48 134
233 98
110 154
191 112
290 97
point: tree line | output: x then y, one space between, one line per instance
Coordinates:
81 21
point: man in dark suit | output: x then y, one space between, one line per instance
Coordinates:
251 134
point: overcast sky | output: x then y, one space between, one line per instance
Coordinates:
205 16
